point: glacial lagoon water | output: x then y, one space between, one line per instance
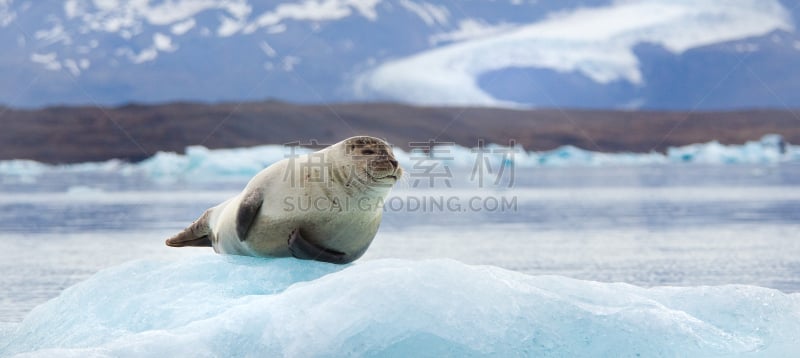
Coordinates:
572 260
684 225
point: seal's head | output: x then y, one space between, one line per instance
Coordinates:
372 160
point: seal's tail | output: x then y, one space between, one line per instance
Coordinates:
197 234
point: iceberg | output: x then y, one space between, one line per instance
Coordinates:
770 149
203 164
211 305
22 167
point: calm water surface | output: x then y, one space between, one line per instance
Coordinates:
665 225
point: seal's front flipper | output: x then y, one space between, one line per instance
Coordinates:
197 234
247 212
306 250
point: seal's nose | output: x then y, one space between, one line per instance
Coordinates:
393 162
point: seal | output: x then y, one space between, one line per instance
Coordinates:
325 206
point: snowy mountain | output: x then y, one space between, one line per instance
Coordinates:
655 54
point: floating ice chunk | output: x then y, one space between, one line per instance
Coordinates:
211 305
108 166
84 191
200 163
770 149
203 163
21 167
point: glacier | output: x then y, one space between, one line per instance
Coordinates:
211 305
203 164
596 42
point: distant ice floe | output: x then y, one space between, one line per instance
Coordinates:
200 163
597 42
211 305
770 149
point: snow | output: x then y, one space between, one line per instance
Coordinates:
288 63
267 49
72 67
229 26
596 42
7 16
200 163
183 27
174 11
127 18
56 34
178 16
312 10
163 42
48 60
147 55
211 305
430 14
469 29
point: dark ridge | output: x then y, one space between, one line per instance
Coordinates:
136 131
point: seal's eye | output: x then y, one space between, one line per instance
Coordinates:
368 152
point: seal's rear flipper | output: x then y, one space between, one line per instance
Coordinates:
177 241
197 234
307 250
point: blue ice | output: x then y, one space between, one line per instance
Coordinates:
200 163
210 305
